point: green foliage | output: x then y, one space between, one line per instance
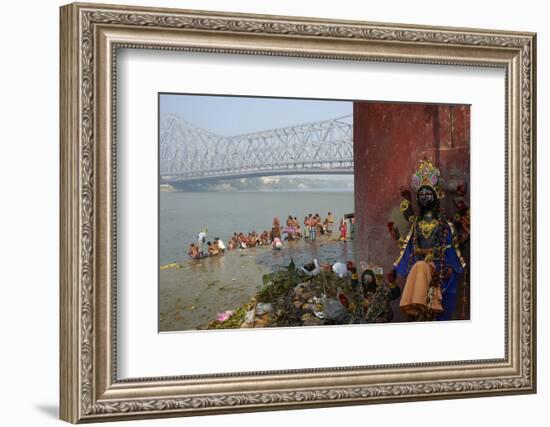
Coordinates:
278 284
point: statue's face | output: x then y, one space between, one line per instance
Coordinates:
368 279
426 197
368 282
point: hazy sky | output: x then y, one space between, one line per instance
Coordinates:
229 115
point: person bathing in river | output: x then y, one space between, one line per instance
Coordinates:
298 233
326 226
243 242
219 244
201 238
329 223
194 251
289 230
343 230
235 241
276 230
313 229
213 249
277 243
264 238
306 227
318 224
255 238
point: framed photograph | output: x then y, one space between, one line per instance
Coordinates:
268 212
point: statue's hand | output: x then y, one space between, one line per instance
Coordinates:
406 206
393 230
406 194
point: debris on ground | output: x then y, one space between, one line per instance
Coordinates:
313 295
171 265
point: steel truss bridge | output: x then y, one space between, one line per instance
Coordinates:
191 154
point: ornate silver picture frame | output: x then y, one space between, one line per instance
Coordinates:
91 37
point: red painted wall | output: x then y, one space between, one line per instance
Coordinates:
389 141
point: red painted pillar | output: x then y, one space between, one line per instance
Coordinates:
389 141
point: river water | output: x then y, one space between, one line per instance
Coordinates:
184 214
192 292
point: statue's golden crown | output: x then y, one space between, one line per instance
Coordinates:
428 175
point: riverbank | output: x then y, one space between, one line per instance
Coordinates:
193 292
